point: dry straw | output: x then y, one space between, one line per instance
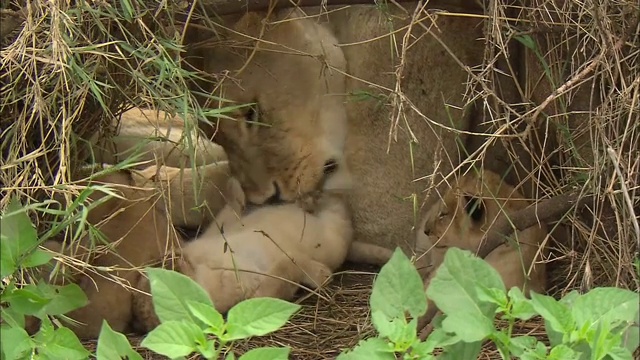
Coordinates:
571 126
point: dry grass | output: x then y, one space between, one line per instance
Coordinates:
73 67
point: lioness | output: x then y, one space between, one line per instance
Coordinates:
157 138
191 197
137 234
464 215
294 135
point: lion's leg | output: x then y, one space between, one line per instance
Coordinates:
365 253
281 282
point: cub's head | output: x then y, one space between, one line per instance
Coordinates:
278 161
465 213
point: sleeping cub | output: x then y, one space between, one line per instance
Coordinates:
269 251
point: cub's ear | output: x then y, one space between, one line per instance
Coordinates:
474 207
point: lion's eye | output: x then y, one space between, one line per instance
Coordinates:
330 167
474 207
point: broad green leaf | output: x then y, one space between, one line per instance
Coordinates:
606 306
63 298
492 295
12 317
266 353
631 337
619 353
563 352
257 317
570 298
114 346
18 237
437 338
15 342
28 300
397 330
208 349
8 263
37 258
60 343
208 315
520 344
393 297
556 314
170 290
174 338
539 353
521 307
461 351
370 349
454 291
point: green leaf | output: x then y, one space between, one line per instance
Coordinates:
438 338
18 237
266 353
12 317
257 317
37 258
619 353
60 343
556 314
401 334
114 346
520 344
605 306
15 342
208 315
631 337
454 291
526 40
174 338
563 352
394 298
461 351
521 308
63 298
170 291
370 349
492 295
539 353
28 300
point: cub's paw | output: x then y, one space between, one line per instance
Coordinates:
317 274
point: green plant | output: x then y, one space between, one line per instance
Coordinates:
19 250
187 316
601 324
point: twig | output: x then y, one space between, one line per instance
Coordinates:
625 194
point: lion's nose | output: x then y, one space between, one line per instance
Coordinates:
275 198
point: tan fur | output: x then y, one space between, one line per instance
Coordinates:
157 137
448 224
288 88
139 235
271 242
299 99
188 206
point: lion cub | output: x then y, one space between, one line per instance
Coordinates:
466 213
269 251
191 198
157 137
137 234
